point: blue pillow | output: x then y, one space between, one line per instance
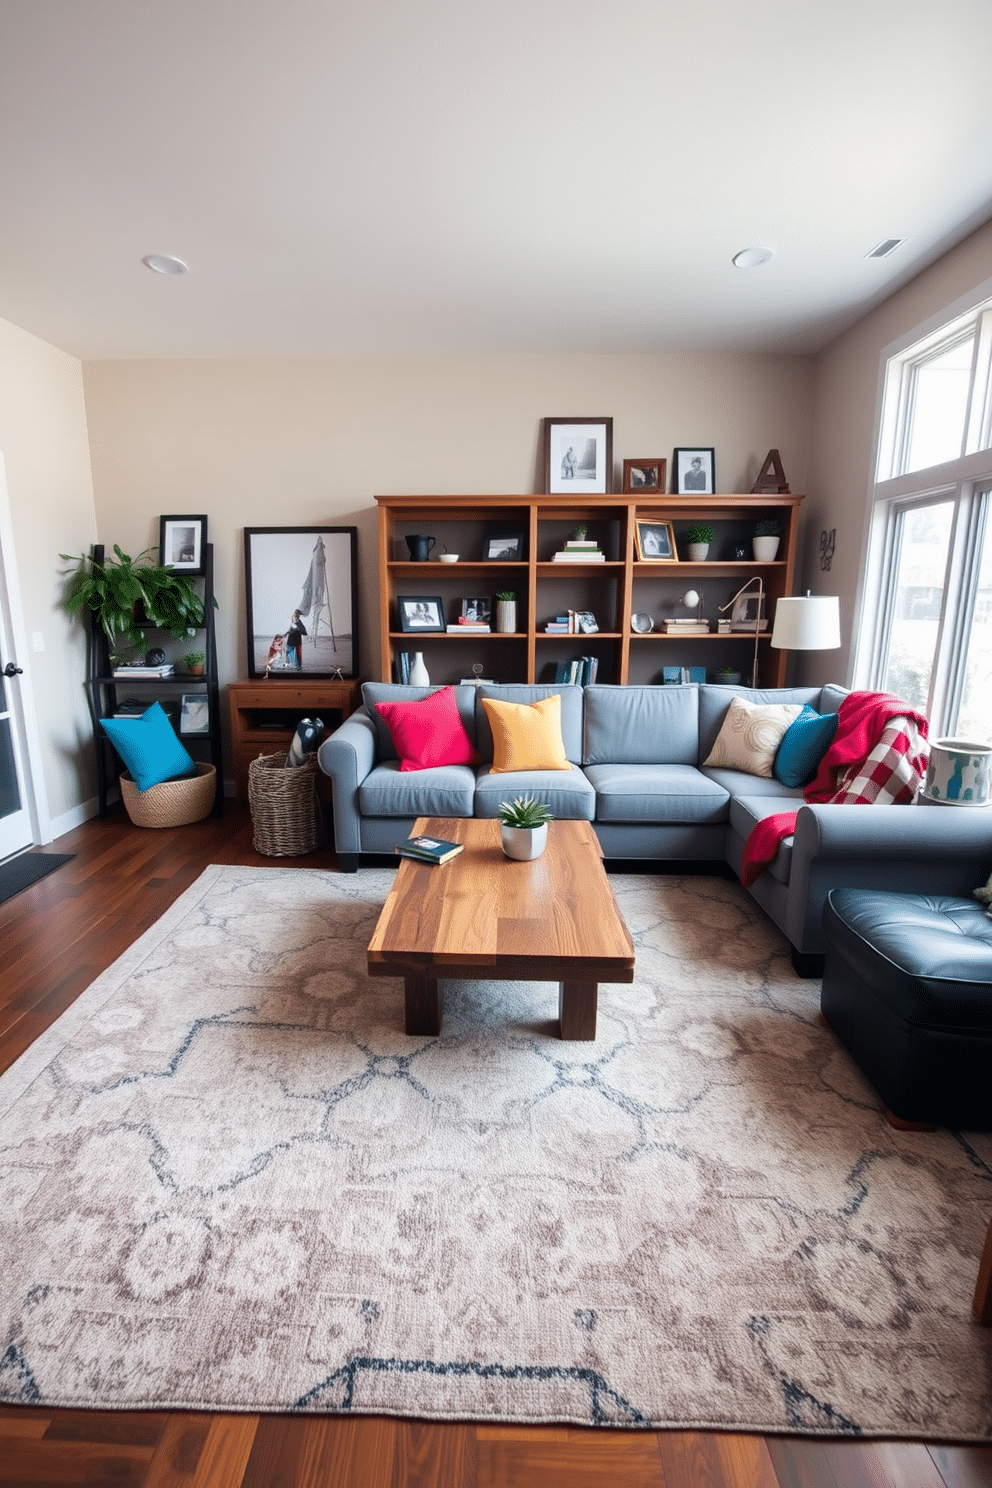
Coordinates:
149 747
803 745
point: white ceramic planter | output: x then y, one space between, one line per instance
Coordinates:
506 616
764 548
698 551
523 844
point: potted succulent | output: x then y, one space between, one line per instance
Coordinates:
698 538
726 676
524 828
506 611
764 543
194 662
129 595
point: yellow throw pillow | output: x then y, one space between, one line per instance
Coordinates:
750 735
526 736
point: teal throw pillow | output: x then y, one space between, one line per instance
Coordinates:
149 747
803 745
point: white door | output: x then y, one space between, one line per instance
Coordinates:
17 814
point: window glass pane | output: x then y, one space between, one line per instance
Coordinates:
975 715
919 592
939 404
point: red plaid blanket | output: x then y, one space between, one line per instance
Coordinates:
878 757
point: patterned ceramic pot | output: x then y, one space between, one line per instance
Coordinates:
959 773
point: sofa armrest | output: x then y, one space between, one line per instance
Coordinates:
909 849
346 757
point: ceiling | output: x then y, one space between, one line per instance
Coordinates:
438 175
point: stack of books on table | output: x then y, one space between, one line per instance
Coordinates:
576 551
139 672
429 849
687 627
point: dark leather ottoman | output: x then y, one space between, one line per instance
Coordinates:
907 988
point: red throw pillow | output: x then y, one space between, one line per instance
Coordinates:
429 732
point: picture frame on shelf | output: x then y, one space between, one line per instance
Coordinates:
503 547
694 471
421 614
644 475
194 714
479 609
749 613
182 544
585 622
578 456
655 542
302 577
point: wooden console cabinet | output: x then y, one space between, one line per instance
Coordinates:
265 712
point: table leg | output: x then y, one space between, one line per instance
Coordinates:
577 1002
982 1304
423 1004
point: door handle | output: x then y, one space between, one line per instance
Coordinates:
10 670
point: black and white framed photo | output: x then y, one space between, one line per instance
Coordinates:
694 470
505 547
182 544
644 475
301 601
578 456
749 613
586 622
655 542
479 609
194 715
418 612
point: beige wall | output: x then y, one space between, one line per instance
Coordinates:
290 442
845 402
43 438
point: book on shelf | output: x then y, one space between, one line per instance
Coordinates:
686 627
477 681
583 555
461 627
581 545
146 673
676 676
403 666
581 670
429 849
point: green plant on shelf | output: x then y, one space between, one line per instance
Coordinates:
768 527
507 595
578 533
130 594
699 532
526 812
194 660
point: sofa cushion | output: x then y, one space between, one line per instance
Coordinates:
429 732
714 702
527 692
568 795
803 745
448 790
526 736
657 793
747 811
394 692
750 735
641 725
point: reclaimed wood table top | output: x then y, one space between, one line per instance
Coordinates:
483 915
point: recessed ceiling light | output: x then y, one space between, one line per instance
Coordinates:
750 258
164 263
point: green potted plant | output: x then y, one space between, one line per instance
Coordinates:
726 676
129 595
524 828
698 538
764 543
194 662
506 611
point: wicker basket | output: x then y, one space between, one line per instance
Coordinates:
174 803
286 814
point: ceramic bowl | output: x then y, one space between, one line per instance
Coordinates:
448 557
642 624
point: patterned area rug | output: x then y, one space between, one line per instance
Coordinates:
229 1180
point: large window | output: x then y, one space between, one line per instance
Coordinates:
927 621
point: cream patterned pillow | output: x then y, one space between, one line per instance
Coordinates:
750 735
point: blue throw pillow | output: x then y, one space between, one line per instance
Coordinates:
803 745
149 747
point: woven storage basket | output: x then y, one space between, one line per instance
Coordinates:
174 803
286 814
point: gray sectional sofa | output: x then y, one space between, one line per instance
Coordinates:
640 782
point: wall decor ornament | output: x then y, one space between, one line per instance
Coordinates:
421 612
578 456
828 542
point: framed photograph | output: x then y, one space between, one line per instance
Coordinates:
182 543
586 621
694 470
655 542
420 613
301 601
478 609
506 548
194 715
578 456
644 475
748 612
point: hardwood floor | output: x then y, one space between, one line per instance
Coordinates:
55 937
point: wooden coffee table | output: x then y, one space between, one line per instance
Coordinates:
482 917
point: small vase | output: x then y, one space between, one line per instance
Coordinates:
698 551
419 675
506 616
523 844
764 548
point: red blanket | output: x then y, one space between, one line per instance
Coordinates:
862 719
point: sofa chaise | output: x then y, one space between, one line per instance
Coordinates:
638 776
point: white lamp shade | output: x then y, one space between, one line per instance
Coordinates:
809 622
